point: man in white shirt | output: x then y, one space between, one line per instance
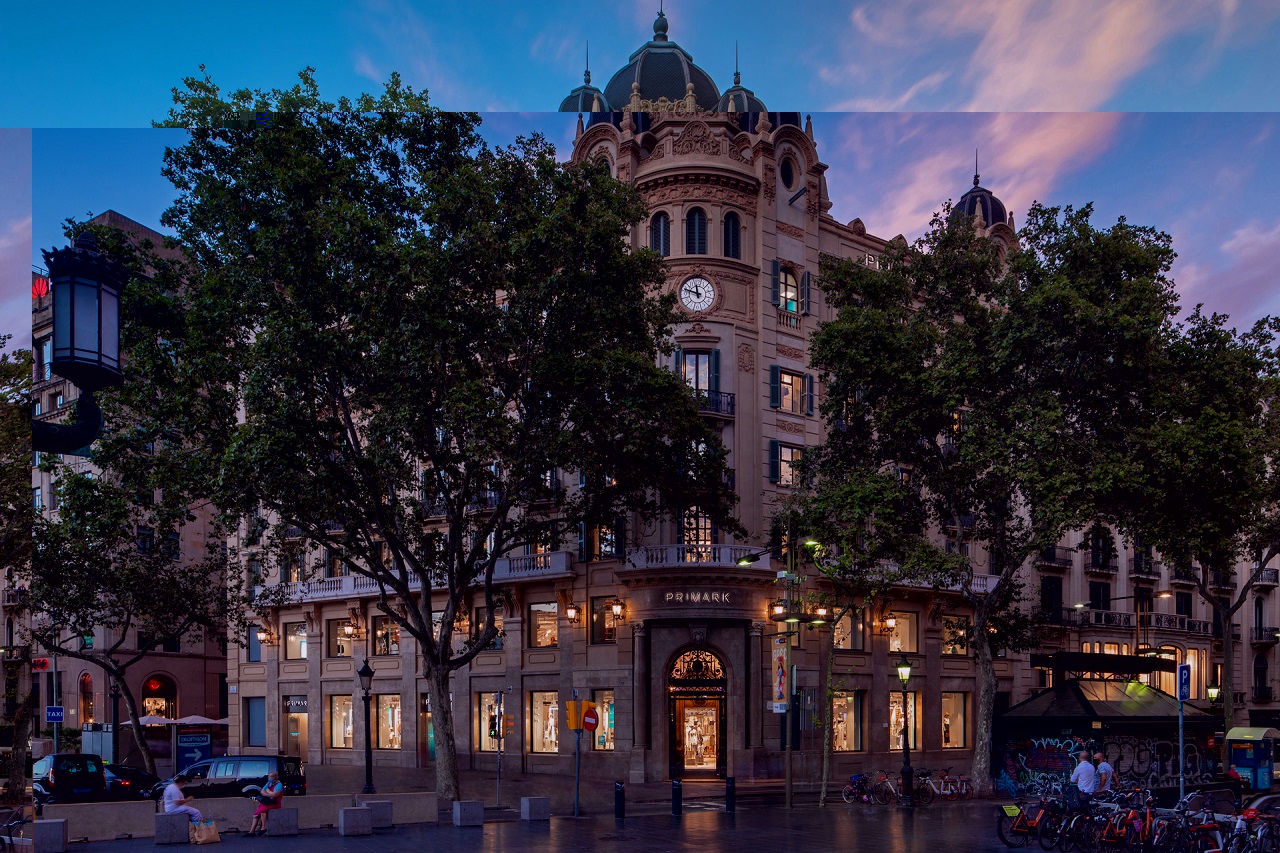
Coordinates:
1106 773
1085 777
175 802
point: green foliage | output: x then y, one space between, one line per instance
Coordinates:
15 456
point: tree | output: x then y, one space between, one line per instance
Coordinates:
395 341
999 391
15 530
1209 492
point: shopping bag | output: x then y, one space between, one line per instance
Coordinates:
203 832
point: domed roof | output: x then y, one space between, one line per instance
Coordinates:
739 99
663 69
585 99
980 200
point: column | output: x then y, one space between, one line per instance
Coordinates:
760 686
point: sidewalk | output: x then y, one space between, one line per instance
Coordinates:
597 794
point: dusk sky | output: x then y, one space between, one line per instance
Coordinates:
1162 114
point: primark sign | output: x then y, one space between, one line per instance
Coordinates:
697 596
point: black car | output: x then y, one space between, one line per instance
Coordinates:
69 777
129 783
229 775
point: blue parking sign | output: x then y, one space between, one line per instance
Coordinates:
52 714
1184 682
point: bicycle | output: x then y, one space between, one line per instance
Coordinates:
945 786
1017 824
884 790
857 790
14 821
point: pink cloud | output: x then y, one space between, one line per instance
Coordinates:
15 254
1245 284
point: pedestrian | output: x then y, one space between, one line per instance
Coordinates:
175 802
1106 773
270 797
1085 778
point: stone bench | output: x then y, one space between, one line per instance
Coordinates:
535 808
282 821
468 813
356 820
379 812
172 828
49 836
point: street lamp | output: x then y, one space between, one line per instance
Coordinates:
115 721
908 776
1213 691
366 684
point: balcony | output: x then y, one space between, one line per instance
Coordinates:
1096 565
978 583
553 564
1264 635
788 320
1054 558
14 597
1262 693
1105 619
1198 626
1235 630
651 557
1222 580
1144 567
718 403
1183 577
1165 621
17 654
1267 579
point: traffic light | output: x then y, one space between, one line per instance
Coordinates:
39 664
493 725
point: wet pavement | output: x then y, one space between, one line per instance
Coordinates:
937 828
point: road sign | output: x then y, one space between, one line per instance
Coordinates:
39 664
1184 682
193 747
590 719
52 714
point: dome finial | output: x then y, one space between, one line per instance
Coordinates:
586 75
737 75
660 25
975 167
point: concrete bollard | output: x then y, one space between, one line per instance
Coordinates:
677 798
619 800
730 795
379 812
535 808
356 820
49 836
468 813
172 828
282 821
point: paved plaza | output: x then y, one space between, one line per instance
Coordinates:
941 827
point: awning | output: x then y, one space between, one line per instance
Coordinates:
1252 733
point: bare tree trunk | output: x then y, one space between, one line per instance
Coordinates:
21 740
442 719
131 705
981 771
1228 684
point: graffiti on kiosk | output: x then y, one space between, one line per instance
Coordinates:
1138 761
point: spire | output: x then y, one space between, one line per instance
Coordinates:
586 75
737 75
975 167
660 25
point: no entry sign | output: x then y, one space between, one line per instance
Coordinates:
590 719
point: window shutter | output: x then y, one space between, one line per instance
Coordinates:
808 393
677 362
775 386
620 538
775 294
715 371
804 293
774 466
582 542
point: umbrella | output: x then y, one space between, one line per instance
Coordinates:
152 720
197 720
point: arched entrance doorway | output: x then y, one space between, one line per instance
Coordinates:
160 697
697 687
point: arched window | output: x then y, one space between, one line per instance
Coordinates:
732 236
86 698
160 697
660 234
695 232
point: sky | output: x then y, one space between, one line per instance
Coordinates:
1164 113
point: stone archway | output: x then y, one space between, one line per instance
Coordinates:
697 692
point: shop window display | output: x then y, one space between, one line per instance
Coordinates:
544 710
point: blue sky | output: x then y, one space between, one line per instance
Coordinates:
1165 113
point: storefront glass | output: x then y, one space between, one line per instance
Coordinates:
902 636
602 738
848 631
387 706
953 720
895 720
489 722
426 732
295 641
341 722
544 628
340 642
604 625
295 726
386 636
846 716
544 720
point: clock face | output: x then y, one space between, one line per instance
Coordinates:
697 294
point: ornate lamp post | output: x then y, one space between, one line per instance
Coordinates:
86 338
908 775
365 675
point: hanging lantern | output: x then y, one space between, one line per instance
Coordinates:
86 314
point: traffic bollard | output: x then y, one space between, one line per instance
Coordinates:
676 797
730 795
619 800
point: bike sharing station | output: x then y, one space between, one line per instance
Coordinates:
1097 703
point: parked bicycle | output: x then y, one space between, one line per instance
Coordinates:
858 790
947 786
11 827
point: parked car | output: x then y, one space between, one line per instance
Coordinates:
68 777
229 775
128 783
